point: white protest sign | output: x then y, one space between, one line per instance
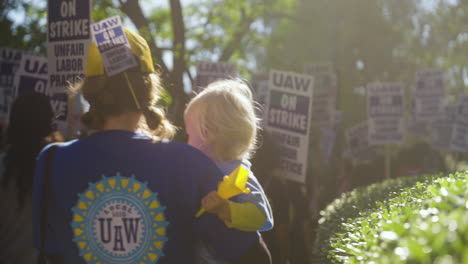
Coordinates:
208 72
357 138
68 37
9 63
325 91
442 128
385 113
428 94
459 137
113 45
31 76
288 120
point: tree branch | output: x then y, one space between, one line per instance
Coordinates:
134 12
234 43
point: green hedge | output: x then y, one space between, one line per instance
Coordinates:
424 222
348 208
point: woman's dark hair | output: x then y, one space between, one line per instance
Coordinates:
31 117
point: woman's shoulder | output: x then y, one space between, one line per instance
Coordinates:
181 149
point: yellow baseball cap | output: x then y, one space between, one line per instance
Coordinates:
141 50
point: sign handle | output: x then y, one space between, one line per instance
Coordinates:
387 160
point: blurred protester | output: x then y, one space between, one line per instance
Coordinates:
29 130
265 166
418 159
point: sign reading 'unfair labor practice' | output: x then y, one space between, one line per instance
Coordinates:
288 120
113 45
68 39
385 113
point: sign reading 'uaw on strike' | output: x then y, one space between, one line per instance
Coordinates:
31 76
288 119
113 45
385 113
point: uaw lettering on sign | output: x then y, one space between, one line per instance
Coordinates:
208 72
31 75
288 119
113 45
385 113
109 34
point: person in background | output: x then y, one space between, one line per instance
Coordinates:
30 129
221 122
266 166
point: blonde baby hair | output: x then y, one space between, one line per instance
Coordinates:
223 115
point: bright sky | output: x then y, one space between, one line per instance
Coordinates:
150 4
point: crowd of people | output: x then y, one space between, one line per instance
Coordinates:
126 193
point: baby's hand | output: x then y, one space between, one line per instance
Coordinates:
214 204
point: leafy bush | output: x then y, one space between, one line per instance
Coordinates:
425 223
352 205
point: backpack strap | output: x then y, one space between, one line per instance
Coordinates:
45 195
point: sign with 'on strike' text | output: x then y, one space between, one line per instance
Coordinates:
288 119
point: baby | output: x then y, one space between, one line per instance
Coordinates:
220 121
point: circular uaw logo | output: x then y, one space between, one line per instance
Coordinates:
119 220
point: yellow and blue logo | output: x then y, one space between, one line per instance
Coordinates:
119 220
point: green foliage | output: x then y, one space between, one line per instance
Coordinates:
424 223
27 34
345 210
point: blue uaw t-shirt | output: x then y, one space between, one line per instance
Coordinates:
118 197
